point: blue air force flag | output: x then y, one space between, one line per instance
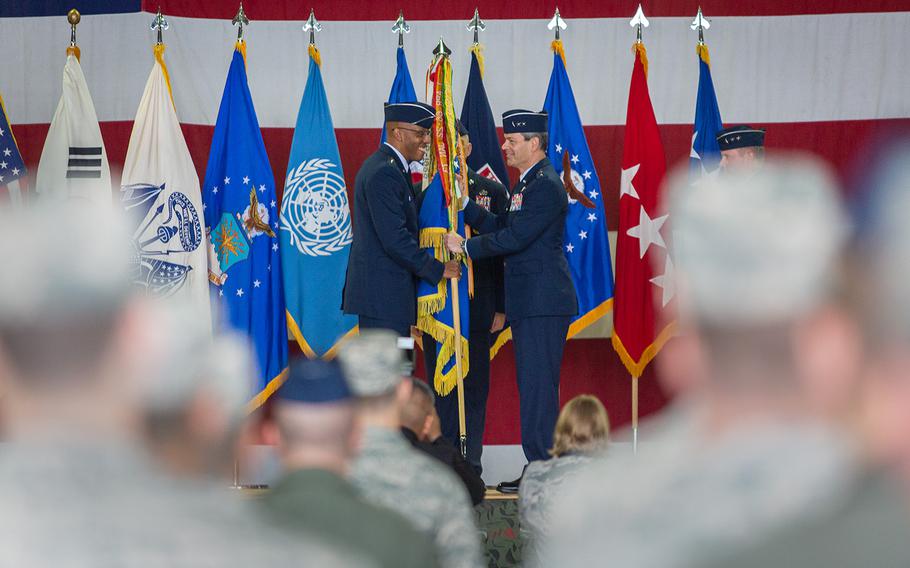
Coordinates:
160 194
12 166
477 117
241 219
704 157
586 245
315 227
402 86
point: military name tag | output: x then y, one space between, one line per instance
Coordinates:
483 201
516 202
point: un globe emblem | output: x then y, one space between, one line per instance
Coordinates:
315 209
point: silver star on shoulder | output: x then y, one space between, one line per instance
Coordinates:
647 232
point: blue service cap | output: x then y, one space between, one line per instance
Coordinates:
520 120
742 136
314 381
418 114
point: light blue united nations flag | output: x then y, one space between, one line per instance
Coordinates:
315 227
241 221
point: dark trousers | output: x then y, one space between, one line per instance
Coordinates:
402 329
539 342
476 389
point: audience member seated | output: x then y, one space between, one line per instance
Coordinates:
420 425
582 430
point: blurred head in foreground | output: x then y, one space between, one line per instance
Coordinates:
71 331
314 418
757 255
879 272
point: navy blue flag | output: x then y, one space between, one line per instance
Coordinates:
477 118
705 155
241 218
402 87
12 167
585 243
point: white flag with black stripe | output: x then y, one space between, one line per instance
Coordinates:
74 162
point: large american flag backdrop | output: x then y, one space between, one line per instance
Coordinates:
820 76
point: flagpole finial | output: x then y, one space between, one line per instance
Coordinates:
557 23
313 26
638 22
73 17
240 20
700 23
159 24
401 27
442 50
476 25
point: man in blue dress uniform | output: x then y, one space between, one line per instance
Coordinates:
539 294
385 259
741 147
487 316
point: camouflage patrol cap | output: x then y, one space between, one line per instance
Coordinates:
372 362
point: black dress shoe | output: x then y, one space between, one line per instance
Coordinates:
509 486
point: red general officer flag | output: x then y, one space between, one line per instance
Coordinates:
644 270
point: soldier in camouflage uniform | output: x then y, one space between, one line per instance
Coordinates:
764 370
389 471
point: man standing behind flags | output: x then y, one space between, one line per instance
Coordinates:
241 218
385 255
741 147
160 194
73 162
315 225
540 296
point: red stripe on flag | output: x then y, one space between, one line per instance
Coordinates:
826 139
348 10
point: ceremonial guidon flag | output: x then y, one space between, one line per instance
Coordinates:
586 244
315 226
241 218
12 167
704 157
160 194
642 291
439 215
73 162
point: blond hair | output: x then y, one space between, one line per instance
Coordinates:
582 426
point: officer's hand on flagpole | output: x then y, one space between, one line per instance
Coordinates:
499 320
452 270
453 242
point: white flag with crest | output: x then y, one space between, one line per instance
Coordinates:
160 194
74 162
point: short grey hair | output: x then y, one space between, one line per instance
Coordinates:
544 138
